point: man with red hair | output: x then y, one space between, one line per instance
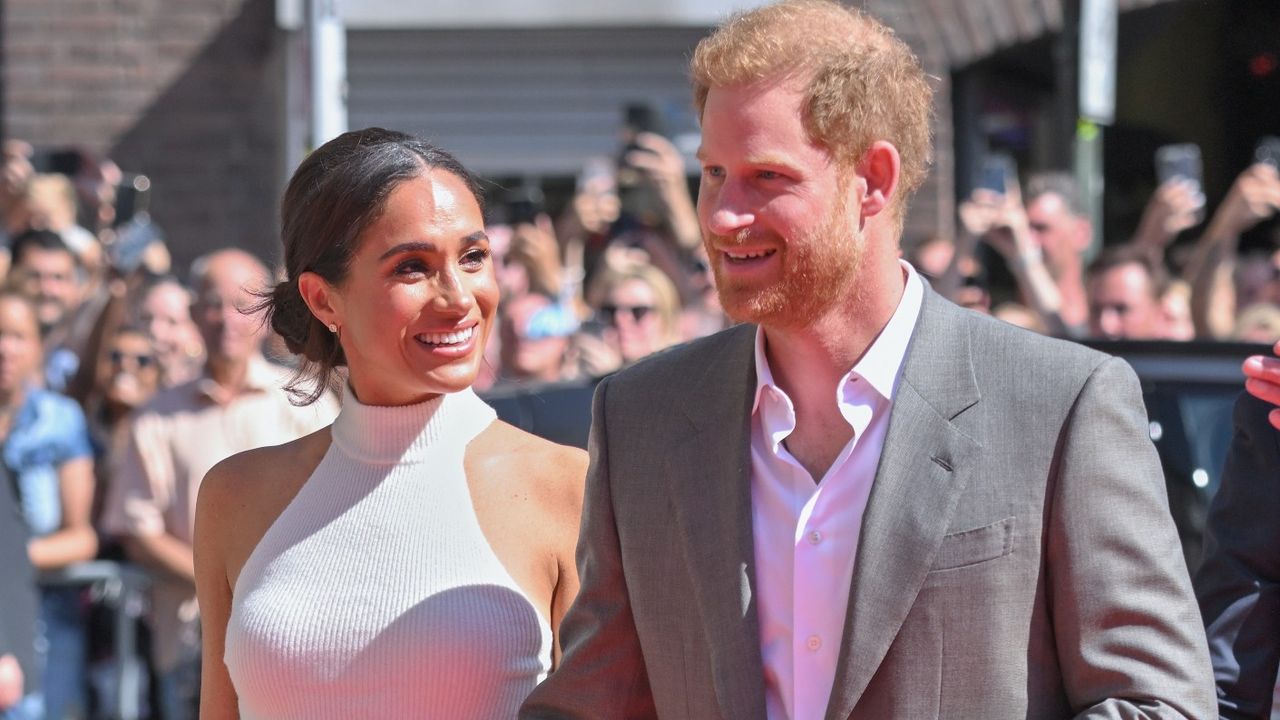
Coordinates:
863 501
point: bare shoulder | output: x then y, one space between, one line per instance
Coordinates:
550 475
239 478
243 495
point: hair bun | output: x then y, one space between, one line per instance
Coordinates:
291 319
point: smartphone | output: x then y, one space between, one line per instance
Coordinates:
524 203
998 172
133 196
1268 151
1181 160
638 117
132 240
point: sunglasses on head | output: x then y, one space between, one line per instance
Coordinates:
638 312
143 361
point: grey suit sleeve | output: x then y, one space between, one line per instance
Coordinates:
601 673
1239 584
1128 632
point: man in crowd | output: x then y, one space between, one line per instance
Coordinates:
1043 243
863 501
51 275
237 404
1125 287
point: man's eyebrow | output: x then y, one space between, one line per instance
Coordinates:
700 154
773 159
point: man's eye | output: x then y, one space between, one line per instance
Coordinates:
713 172
768 175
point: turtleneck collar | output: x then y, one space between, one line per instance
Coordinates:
381 435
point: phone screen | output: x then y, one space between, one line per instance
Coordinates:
1268 151
1179 161
997 172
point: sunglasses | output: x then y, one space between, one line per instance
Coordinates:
638 312
142 361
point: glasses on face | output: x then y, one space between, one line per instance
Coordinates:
609 313
140 359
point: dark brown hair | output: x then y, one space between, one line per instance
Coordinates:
335 194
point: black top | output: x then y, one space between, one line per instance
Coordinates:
18 601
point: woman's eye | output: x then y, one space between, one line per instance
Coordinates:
411 267
475 258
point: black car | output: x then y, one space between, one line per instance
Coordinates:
1189 389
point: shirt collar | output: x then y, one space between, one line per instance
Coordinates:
259 377
881 364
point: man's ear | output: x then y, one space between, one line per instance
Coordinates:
320 297
880 170
1084 234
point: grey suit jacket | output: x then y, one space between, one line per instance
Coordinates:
1239 583
1017 558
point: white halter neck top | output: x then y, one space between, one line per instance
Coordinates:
375 594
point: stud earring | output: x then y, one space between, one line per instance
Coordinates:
333 328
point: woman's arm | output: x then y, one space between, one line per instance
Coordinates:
213 590
75 541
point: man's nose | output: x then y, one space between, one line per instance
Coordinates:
1110 323
729 210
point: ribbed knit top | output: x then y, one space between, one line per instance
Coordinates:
375 594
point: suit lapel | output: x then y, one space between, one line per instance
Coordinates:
709 472
920 477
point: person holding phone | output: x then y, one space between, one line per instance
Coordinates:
1253 197
1042 241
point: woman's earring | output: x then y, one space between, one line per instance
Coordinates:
333 328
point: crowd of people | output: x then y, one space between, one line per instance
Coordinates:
1143 286
124 382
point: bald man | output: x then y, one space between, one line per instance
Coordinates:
238 403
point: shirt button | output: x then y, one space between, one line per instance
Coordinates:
815 537
814 643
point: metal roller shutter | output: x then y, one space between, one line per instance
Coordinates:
519 101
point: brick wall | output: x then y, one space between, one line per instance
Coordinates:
185 91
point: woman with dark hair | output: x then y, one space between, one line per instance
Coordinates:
413 559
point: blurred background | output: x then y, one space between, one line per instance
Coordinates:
1105 170
212 99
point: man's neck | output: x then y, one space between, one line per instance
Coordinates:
822 351
809 362
231 376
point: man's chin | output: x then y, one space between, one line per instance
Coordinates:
757 306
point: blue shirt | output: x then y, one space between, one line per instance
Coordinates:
48 431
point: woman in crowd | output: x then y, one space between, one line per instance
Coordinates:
45 453
127 375
164 311
415 558
639 308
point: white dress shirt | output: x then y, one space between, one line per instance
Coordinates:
806 533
